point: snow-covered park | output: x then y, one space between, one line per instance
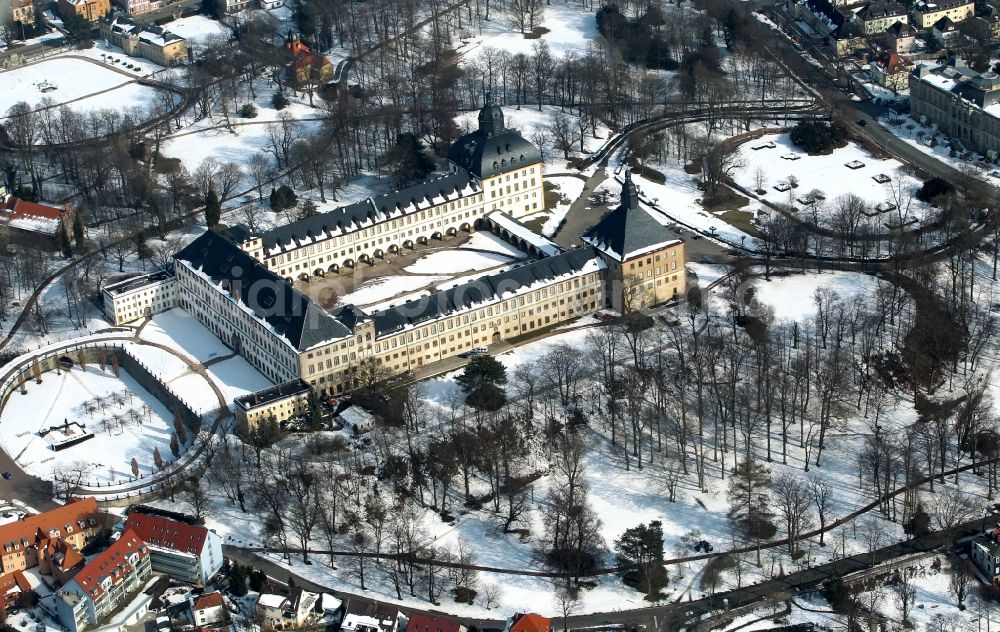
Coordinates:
778 164
126 422
85 85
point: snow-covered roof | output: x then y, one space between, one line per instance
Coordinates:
516 228
270 600
629 230
356 416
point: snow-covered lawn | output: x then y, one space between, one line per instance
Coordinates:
570 30
828 174
236 378
60 398
707 273
72 79
449 261
568 189
483 240
182 332
791 297
384 288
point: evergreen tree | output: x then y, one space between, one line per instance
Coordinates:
283 198
157 458
135 468
750 500
64 246
238 580
279 101
481 381
642 547
175 446
213 209
79 234
315 411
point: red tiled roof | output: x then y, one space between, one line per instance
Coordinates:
531 622
209 600
32 530
70 557
21 208
168 534
112 563
421 622
10 581
297 47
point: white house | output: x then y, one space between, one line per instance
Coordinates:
356 419
208 609
187 552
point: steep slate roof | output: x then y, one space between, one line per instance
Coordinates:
628 230
266 295
373 209
480 290
165 533
492 149
29 531
879 10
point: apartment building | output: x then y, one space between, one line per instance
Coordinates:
137 7
891 71
23 11
879 16
107 582
985 555
187 552
26 542
92 10
960 102
139 297
926 14
491 169
148 41
645 261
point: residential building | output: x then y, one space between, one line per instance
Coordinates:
279 612
186 552
139 297
985 555
925 14
267 5
92 10
235 6
23 11
366 615
529 622
959 102
148 41
279 403
901 38
307 67
945 31
878 16
645 261
821 15
891 71
37 224
423 622
137 7
208 609
107 582
26 541
13 589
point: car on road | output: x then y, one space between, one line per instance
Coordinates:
7 476
862 122
995 173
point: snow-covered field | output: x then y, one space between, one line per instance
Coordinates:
826 173
384 288
61 398
450 261
791 297
568 189
182 332
74 80
570 30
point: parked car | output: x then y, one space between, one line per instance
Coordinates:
7 476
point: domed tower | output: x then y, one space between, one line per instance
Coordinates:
507 167
490 118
